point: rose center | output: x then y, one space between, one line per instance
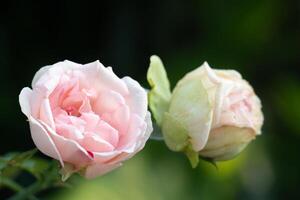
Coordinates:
73 111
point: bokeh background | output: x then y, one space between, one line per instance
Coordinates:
260 38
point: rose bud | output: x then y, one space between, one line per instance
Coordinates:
212 113
86 117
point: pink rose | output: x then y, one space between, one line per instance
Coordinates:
85 116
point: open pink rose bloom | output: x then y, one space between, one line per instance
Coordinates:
84 115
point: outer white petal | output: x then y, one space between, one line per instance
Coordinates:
40 73
24 101
104 157
95 170
63 65
144 137
136 130
103 78
140 143
137 99
43 141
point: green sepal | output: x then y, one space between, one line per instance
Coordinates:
210 160
192 155
191 107
160 94
67 171
175 134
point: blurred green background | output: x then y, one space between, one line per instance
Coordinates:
261 39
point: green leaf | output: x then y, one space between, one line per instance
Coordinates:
35 166
5 160
12 163
8 183
24 155
160 93
49 178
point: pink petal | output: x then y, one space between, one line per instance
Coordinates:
136 128
95 143
91 121
120 158
78 123
103 157
69 131
108 102
85 106
107 133
70 150
35 103
46 113
120 119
